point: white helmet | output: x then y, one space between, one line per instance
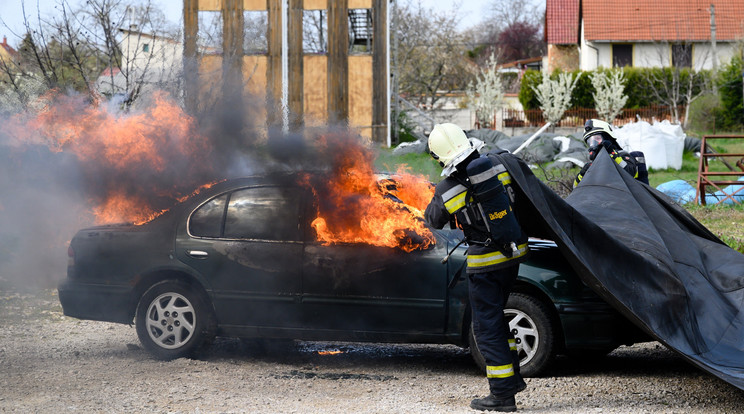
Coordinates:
449 145
595 130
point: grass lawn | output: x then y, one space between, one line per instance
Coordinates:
725 221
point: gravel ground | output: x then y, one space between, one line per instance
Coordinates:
50 363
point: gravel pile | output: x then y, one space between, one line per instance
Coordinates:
50 363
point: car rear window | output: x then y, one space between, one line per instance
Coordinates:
207 219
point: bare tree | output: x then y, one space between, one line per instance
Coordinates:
70 50
506 13
315 31
677 84
431 55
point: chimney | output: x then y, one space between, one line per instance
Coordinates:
5 41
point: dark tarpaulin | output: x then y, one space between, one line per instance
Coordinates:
648 258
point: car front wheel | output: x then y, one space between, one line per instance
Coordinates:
173 320
530 323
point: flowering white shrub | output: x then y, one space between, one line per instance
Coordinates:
555 95
487 95
609 93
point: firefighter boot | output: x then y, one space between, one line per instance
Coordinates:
491 403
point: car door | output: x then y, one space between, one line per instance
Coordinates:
359 288
248 244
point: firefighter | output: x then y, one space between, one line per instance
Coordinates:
597 135
477 196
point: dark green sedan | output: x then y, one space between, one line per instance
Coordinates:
241 260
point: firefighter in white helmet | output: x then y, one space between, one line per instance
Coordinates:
477 196
599 134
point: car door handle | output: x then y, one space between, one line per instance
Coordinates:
197 254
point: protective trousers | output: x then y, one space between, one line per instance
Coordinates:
488 294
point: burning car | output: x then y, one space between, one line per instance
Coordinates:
261 257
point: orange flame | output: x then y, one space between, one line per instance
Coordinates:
121 143
355 207
334 352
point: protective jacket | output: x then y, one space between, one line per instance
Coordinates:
493 240
620 156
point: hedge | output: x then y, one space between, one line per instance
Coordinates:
636 87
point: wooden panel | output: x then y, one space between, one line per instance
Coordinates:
274 67
360 4
360 93
380 73
338 65
316 89
210 5
294 28
254 76
190 64
255 5
210 80
316 4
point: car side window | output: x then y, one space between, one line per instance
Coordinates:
264 213
207 219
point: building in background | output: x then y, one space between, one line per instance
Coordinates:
588 34
320 62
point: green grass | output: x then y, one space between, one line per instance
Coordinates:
725 221
417 163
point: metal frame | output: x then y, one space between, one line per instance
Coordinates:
704 174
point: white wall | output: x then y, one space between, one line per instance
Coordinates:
596 54
648 54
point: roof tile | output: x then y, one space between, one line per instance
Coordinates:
562 21
661 20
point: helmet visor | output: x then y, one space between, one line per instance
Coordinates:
594 140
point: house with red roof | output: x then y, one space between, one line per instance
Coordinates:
7 53
609 33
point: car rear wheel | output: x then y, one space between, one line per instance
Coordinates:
173 320
530 323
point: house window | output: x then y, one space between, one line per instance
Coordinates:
682 56
145 47
622 55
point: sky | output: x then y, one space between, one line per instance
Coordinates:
11 12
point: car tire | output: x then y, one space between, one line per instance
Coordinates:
532 327
174 321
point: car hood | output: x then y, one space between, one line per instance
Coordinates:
647 257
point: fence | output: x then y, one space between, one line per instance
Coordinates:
514 118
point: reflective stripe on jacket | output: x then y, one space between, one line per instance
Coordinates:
450 200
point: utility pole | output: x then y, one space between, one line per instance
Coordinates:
713 37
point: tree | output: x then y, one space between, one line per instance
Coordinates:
554 95
513 31
677 84
520 40
730 90
430 55
70 50
609 95
487 94
508 12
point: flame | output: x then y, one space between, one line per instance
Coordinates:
334 352
356 207
118 208
116 148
